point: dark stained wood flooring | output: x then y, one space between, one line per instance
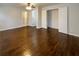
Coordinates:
37 42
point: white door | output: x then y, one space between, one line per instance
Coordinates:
63 20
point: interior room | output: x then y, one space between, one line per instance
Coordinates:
39 29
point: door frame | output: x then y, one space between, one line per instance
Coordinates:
44 17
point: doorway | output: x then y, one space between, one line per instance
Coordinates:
55 18
32 18
52 19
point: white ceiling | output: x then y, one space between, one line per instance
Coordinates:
24 4
38 4
46 4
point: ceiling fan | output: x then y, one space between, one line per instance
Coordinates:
29 6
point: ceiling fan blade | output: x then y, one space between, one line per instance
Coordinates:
28 4
33 6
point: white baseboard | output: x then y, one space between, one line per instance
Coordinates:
73 34
41 27
38 27
12 28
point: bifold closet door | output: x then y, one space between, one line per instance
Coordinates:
63 20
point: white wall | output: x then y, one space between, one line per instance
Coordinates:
44 19
11 16
73 16
74 19
38 15
52 18
49 18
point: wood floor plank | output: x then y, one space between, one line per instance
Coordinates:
37 42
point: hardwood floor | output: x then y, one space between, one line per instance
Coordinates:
37 42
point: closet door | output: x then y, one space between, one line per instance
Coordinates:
63 20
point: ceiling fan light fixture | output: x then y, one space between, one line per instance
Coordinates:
28 8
